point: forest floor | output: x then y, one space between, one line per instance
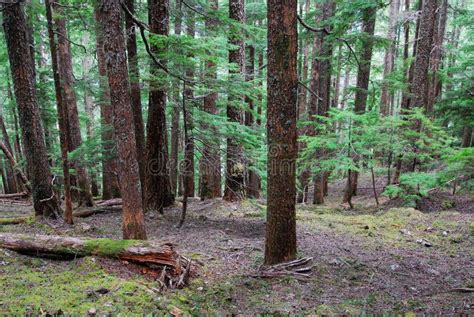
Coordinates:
366 260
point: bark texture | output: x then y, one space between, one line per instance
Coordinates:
235 168
16 35
282 90
158 192
124 133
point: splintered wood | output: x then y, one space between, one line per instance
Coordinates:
300 268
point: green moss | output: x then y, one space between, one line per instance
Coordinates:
108 247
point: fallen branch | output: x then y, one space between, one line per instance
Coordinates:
297 268
97 210
110 202
153 256
13 221
14 195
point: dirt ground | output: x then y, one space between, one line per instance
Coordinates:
365 260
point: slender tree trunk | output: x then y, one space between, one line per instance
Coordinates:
124 132
467 136
282 77
175 114
16 35
157 183
389 58
210 164
63 118
363 76
235 168
11 181
132 55
189 139
110 186
84 195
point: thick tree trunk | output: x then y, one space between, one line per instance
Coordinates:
210 164
15 29
189 139
282 77
158 192
389 58
124 133
132 55
467 136
84 195
424 46
110 186
235 168
363 76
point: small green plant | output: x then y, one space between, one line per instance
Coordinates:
413 187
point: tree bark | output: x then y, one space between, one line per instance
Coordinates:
210 164
83 195
389 58
282 87
110 186
124 133
158 192
16 35
424 46
11 179
235 168
132 55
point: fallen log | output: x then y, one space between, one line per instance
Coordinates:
13 221
14 195
94 211
110 202
174 269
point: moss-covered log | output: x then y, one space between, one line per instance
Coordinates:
146 253
14 221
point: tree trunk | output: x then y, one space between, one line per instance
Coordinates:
282 77
124 133
15 29
210 164
389 58
110 186
157 182
189 139
467 136
235 168
424 46
83 195
175 113
63 118
132 55
363 76
11 180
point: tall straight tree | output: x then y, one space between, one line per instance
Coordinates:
124 134
389 58
363 78
16 35
132 55
63 117
158 192
282 87
234 185
210 163
110 186
84 195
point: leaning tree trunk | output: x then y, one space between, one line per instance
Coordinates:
110 186
84 195
11 180
158 192
124 133
15 29
282 77
363 77
235 168
210 163
132 55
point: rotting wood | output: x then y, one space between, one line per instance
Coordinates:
299 268
84 213
174 269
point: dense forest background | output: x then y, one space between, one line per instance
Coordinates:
149 106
